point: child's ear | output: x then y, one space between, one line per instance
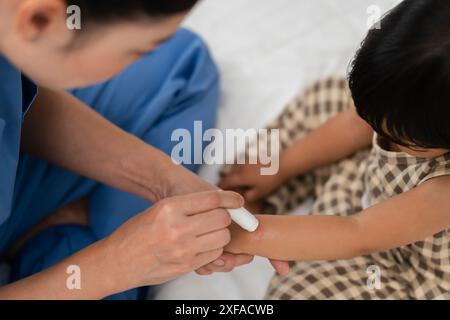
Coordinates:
39 19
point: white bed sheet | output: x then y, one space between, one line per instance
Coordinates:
267 50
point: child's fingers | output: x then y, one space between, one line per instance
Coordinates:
226 263
281 267
231 261
233 181
203 271
252 195
205 258
227 170
231 170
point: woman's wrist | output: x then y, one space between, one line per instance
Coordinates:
148 169
113 278
155 176
100 276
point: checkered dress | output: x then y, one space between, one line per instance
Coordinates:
417 271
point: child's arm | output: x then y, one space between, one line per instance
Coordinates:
338 138
402 220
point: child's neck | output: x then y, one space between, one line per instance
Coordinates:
420 153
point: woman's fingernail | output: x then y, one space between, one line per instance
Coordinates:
219 263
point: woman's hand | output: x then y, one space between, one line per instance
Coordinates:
174 237
192 183
227 261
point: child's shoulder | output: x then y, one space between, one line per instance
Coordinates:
439 184
440 169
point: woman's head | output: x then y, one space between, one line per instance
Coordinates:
35 36
400 78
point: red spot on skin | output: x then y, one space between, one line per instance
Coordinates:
260 232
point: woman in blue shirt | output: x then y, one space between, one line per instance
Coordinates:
55 150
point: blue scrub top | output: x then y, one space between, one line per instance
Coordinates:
17 93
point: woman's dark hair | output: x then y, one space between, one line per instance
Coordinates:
102 11
400 78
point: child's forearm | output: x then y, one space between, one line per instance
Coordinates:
304 238
404 219
337 139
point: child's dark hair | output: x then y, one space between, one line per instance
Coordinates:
103 11
400 78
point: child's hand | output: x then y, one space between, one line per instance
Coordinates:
247 179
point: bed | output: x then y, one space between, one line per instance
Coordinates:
268 50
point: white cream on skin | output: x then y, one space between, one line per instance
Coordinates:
244 219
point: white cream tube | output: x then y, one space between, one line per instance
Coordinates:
244 219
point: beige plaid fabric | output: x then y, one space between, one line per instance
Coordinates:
417 271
